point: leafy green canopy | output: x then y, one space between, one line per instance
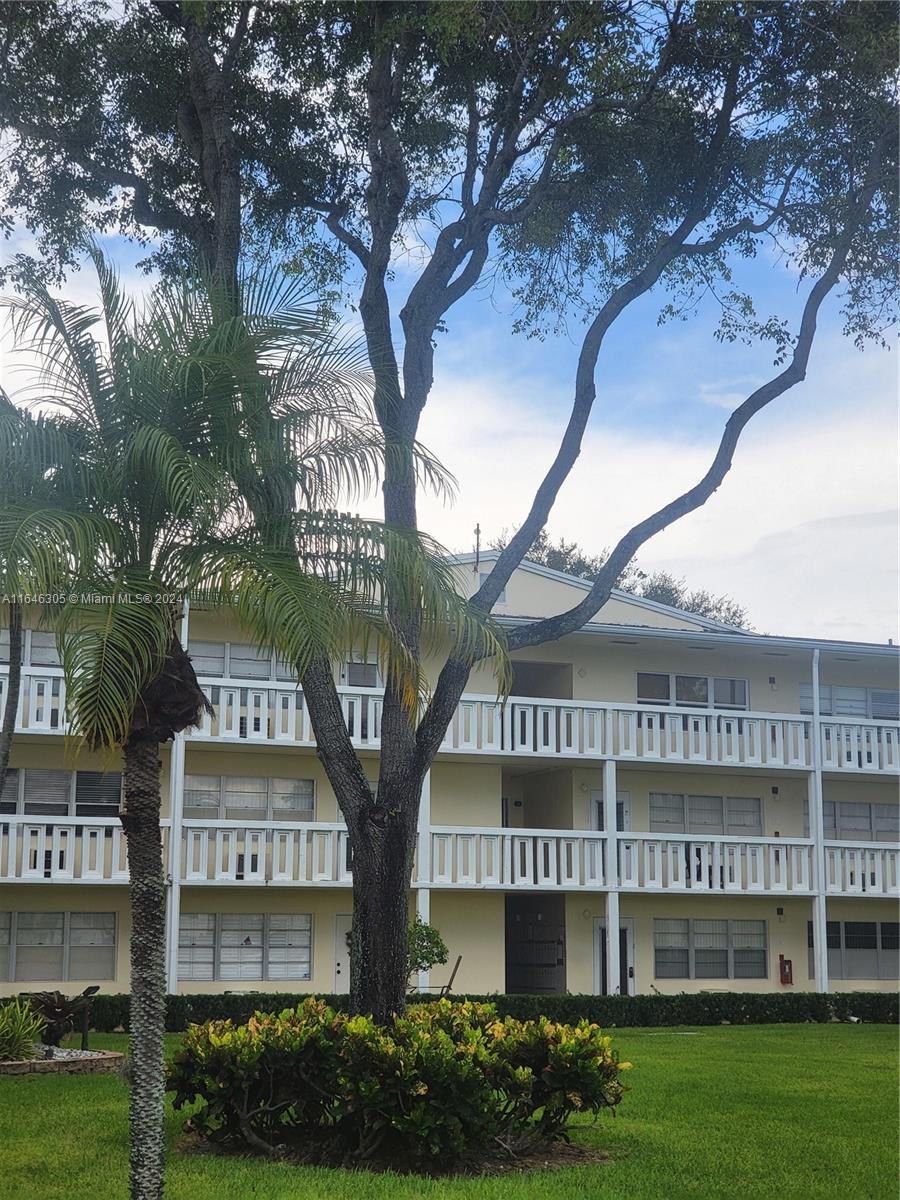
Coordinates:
611 106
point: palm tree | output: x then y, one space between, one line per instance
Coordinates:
44 538
203 443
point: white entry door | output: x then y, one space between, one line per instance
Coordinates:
342 925
627 985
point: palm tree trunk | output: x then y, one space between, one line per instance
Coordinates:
147 893
14 687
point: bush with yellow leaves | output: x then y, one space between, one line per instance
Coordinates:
440 1088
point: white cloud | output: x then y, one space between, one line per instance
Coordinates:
801 531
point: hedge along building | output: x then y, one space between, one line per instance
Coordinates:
661 804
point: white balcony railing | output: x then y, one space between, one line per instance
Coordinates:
871 869
517 858
317 854
860 746
254 711
256 852
63 851
684 862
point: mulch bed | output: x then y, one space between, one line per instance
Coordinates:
551 1158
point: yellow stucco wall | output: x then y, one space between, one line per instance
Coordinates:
466 794
472 924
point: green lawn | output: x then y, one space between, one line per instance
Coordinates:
787 1111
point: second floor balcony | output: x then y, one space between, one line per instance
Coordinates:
317 854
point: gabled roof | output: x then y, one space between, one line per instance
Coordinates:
584 585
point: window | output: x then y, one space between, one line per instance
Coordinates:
49 793
859 949
857 703
482 576
208 658
733 816
249 662
9 797
245 946
43 649
248 798
684 949
361 674
692 691
39 946
46 792
97 794
856 821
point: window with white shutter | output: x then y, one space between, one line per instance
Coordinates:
196 946
208 658
9 797
39 946
245 946
362 674
47 792
97 793
5 941
710 949
705 949
289 946
246 797
666 813
748 948
670 947
705 815
43 649
249 662
743 816
202 796
92 946
859 949
293 799
241 946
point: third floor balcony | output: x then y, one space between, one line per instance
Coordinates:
270 713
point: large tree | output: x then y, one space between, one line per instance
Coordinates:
582 154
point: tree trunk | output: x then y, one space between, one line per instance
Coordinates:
147 894
14 687
382 863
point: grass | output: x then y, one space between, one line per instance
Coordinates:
795 1111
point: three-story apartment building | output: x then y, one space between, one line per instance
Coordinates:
661 804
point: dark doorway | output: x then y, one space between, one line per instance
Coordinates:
536 943
623 962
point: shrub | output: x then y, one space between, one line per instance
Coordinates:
441 1086
425 947
20 1028
60 1012
110 1013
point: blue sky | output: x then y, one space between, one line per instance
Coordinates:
804 530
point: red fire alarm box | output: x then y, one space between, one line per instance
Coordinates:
785 969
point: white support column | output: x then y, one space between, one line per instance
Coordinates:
176 807
817 833
613 965
423 870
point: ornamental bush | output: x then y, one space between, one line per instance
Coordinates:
110 1013
20 1028
441 1087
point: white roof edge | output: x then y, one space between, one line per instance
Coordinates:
738 637
615 593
